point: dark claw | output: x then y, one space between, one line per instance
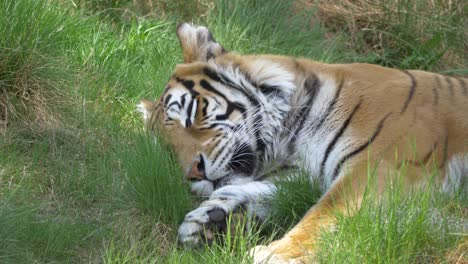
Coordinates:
217 215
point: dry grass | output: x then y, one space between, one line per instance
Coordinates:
359 14
187 9
130 10
34 69
459 255
379 25
141 228
30 102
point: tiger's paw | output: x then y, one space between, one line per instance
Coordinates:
201 225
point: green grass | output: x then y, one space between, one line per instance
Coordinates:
80 183
416 227
293 188
404 230
152 171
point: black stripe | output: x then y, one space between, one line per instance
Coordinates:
221 78
450 85
166 100
311 85
182 100
207 86
270 89
214 125
445 151
216 101
463 85
411 92
205 118
261 145
231 106
158 105
205 107
331 106
217 154
243 160
360 148
438 82
211 74
435 94
188 84
428 155
332 144
166 89
423 161
188 121
215 159
225 80
173 103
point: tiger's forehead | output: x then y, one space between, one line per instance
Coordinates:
186 85
186 78
189 69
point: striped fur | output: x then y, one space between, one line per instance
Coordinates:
237 118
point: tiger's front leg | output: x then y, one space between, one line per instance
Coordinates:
200 224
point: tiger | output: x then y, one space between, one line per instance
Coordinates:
233 120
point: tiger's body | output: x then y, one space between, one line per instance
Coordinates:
233 118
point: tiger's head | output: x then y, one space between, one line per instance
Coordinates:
209 116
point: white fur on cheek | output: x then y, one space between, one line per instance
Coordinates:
202 188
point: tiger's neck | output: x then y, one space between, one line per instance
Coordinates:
282 135
285 103
281 96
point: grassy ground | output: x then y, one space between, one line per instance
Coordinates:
80 181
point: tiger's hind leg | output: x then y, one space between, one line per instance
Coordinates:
344 196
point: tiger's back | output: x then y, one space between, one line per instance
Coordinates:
357 110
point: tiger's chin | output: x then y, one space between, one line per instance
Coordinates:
203 188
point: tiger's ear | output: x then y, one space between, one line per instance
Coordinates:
146 107
197 43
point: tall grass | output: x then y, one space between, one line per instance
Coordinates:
122 57
293 188
280 27
155 181
400 228
33 70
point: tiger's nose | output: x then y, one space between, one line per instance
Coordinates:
197 171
